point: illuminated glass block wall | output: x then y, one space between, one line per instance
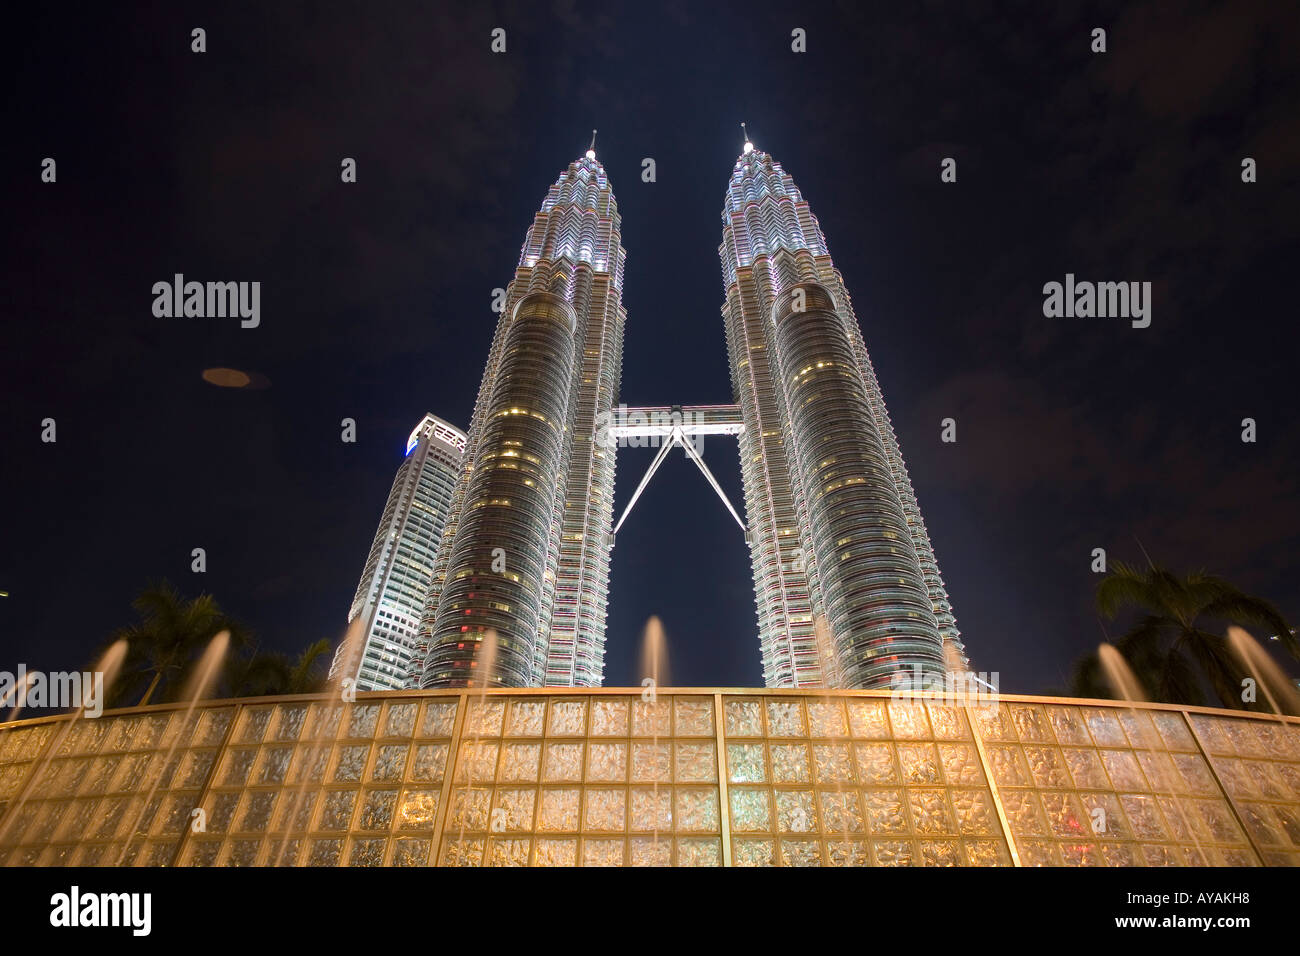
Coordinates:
695 778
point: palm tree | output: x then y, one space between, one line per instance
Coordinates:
173 632
264 673
1176 648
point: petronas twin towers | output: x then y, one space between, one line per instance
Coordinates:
846 586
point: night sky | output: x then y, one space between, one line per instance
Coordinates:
1073 433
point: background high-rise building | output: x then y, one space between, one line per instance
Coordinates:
385 612
847 588
525 553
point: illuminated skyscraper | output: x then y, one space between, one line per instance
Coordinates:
390 597
525 552
837 542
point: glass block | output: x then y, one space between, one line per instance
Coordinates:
562 762
826 718
297 812
1065 816
605 809
469 809
430 762
377 810
408 852
697 810
274 766
350 762
693 716
1245 736
744 718
960 764
785 718
1120 854
484 718
1103 816
336 813
1173 730
652 809
463 852
867 719
477 763
213 725
1144 816
987 853
699 851
975 813
790 763
876 763
527 717
1085 768
745 763
1123 769
930 813
754 853
239 761
289 720
847 853
602 852
1158 768
894 853
1047 767
908 719
884 811
101 773
195 766
510 852
1024 813
400 719
801 853
1039 853
609 718
1008 766
832 764
520 763
558 810
941 853
1030 722
257 810
696 762
749 809
512 810
1068 726
1075 853
651 762
418 810
325 852
568 718
1139 729
648 851
651 718
994 722
439 718
1218 821
390 762
367 852
202 852
1104 727
607 762
947 722
919 762
841 812
557 852
253 724
1267 782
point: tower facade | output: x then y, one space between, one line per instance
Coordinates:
847 589
389 600
525 552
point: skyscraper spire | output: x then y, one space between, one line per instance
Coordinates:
748 147
591 150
